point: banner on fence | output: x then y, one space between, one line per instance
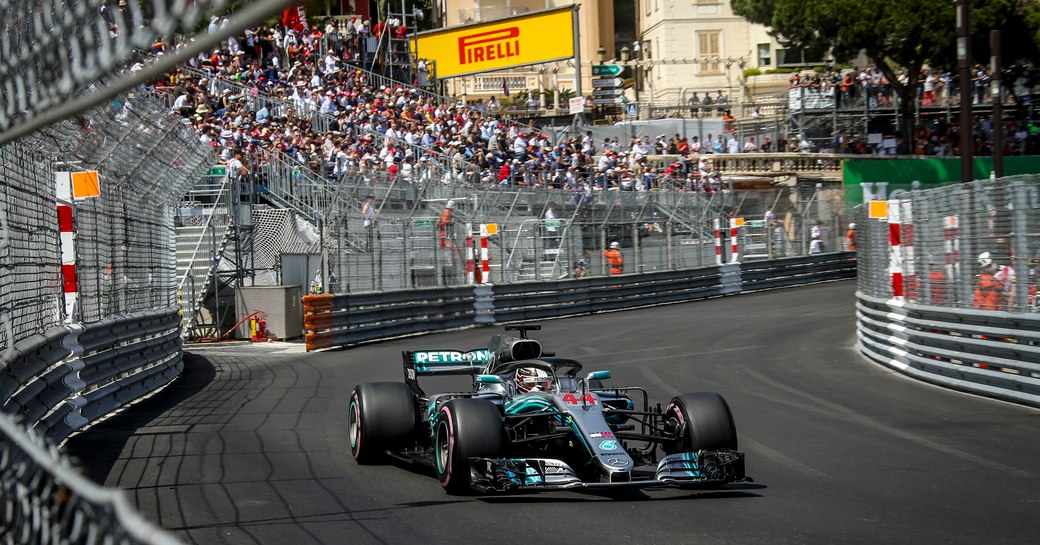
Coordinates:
872 180
810 98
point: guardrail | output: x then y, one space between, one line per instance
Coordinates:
342 320
60 381
995 354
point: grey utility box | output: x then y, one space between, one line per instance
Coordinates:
283 306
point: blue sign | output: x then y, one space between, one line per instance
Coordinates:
632 110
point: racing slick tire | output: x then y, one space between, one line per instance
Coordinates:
382 415
465 428
702 420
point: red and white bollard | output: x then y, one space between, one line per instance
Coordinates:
718 242
734 256
485 273
469 254
66 225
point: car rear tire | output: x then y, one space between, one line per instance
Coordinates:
382 415
702 421
465 428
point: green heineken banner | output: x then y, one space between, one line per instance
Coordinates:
878 179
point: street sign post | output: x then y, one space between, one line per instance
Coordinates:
606 82
606 70
615 100
607 92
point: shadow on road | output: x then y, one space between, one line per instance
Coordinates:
94 452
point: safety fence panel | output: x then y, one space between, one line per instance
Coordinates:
88 315
995 354
346 319
966 246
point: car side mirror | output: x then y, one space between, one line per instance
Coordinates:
488 379
598 375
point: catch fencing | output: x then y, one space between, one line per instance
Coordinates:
346 319
657 229
89 314
948 282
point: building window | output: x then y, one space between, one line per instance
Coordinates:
765 55
708 48
798 57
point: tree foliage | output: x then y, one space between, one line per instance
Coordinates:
906 34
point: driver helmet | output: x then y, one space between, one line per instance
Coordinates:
450 204
614 245
531 378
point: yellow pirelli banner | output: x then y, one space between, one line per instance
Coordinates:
532 38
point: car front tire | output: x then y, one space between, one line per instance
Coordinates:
465 428
381 415
702 421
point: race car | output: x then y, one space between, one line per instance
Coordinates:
532 421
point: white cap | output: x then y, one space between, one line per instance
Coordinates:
614 245
450 204
985 260
852 226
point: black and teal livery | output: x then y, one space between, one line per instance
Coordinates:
572 433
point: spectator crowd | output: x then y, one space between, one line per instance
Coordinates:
304 93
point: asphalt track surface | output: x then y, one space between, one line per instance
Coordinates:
249 446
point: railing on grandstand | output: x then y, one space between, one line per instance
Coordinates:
210 206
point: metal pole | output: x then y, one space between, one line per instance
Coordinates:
668 238
998 107
964 75
577 62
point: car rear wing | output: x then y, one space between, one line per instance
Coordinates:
419 363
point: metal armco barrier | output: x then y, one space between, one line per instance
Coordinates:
341 320
63 380
995 354
796 271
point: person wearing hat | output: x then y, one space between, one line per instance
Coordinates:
989 293
446 223
613 254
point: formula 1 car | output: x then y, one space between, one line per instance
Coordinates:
532 423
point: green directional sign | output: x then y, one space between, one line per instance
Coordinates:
422 223
606 70
219 170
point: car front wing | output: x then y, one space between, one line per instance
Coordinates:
689 469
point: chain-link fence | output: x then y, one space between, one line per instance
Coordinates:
538 233
973 245
120 248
